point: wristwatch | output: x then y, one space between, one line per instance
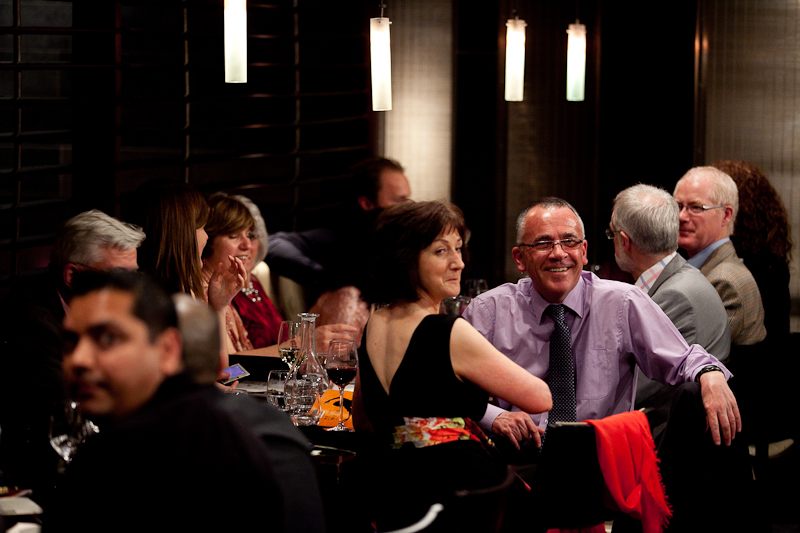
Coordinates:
707 368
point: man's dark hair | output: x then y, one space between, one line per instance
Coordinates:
151 304
367 176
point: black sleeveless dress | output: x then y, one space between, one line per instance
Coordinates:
408 480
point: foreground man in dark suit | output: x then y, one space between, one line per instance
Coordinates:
167 457
289 450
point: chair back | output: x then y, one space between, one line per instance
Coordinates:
568 483
470 510
491 501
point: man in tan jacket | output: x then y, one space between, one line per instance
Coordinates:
708 201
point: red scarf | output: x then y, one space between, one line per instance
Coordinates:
627 458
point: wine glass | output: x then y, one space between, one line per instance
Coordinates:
476 287
341 366
289 341
68 429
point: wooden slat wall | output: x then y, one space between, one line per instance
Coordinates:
36 73
286 138
98 96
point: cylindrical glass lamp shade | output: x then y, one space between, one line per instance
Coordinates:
235 41
515 59
576 62
381 58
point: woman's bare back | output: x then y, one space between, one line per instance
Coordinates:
389 333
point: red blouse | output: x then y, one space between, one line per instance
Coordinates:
260 316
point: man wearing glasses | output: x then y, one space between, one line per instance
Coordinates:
708 201
612 327
644 229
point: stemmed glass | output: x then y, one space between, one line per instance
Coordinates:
476 287
341 366
289 341
68 429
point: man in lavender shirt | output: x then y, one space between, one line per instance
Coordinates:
614 326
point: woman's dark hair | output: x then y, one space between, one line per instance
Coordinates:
401 233
170 214
762 225
227 216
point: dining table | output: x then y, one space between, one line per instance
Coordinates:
335 454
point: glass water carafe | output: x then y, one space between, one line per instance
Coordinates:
307 380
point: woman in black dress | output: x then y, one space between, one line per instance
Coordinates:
424 378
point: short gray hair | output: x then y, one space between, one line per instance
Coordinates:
259 227
649 216
83 237
199 327
723 190
551 202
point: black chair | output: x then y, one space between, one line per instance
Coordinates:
567 484
470 510
492 504
424 523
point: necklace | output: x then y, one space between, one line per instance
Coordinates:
250 291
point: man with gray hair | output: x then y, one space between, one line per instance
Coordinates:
644 228
31 336
612 327
289 450
645 233
708 201
199 327
93 241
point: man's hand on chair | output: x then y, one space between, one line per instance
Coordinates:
722 411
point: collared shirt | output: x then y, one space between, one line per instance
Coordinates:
613 326
649 276
700 257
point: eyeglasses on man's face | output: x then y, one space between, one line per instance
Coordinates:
544 247
696 209
610 233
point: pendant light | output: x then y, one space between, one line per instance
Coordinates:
381 62
515 59
576 62
235 14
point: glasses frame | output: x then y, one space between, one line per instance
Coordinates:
552 244
698 209
610 233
